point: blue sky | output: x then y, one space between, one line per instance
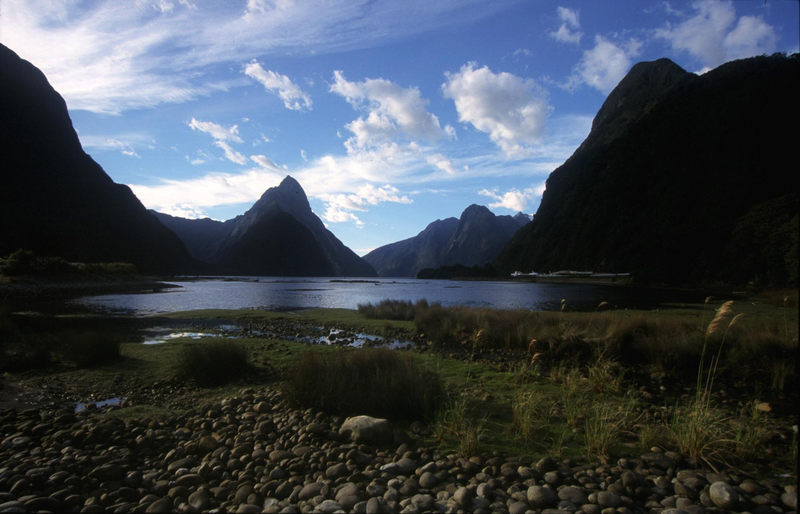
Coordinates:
391 114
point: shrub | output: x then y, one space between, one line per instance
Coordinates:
377 382
26 262
391 309
88 349
213 363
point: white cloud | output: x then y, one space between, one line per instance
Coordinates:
515 200
512 110
393 111
211 190
218 132
339 207
604 65
441 162
293 97
221 136
303 155
107 57
265 162
231 154
713 35
125 144
569 30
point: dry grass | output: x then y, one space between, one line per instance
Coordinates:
377 382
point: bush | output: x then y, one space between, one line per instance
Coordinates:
88 349
391 309
213 363
376 382
25 262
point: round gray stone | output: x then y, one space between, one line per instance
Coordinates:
723 495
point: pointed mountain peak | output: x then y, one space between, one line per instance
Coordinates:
289 183
288 196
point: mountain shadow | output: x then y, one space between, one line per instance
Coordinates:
683 179
55 199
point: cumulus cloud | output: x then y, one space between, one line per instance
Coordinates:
512 110
569 30
713 34
392 111
515 199
604 65
217 131
293 97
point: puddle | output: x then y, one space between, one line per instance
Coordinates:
356 340
114 402
158 335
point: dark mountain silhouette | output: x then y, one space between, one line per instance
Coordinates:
279 235
474 239
683 179
54 199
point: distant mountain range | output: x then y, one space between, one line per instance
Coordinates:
54 199
683 179
278 235
474 239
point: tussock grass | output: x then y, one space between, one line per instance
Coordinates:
213 363
377 382
456 424
392 309
88 349
604 423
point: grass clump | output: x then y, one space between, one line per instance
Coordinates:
89 349
400 310
213 363
456 425
377 382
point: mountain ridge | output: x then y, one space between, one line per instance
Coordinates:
664 196
56 200
278 235
474 238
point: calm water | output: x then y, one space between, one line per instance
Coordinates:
292 293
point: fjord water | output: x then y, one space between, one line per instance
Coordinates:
282 293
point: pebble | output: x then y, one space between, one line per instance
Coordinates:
255 453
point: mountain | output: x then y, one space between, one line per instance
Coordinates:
55 199
278 235
405 258
683 179
473 239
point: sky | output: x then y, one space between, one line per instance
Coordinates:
391 114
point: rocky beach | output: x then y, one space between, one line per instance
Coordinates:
252 452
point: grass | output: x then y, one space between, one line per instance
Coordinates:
213 363
457 427
581 409
376 382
